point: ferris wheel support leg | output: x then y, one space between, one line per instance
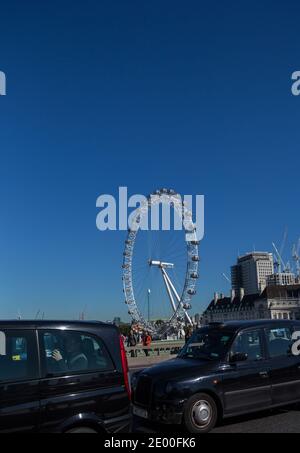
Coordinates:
188 318
170 286
169 291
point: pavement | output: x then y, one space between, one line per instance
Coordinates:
286 420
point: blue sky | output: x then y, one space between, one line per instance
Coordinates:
102 94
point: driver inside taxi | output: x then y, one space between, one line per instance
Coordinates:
75 359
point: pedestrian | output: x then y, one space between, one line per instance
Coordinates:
146 340
132 342
188 333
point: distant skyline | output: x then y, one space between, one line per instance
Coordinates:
140 94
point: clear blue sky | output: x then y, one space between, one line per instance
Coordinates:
194 96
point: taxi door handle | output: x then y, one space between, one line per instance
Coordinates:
264 374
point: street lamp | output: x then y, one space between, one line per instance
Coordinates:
149 293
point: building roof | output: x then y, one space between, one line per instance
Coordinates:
254 255
236 304
236 325
270 292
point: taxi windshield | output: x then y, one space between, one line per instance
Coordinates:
209 344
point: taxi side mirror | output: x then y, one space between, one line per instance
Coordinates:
238 357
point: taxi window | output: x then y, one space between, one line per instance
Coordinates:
279 341
73 352
18 356
249 343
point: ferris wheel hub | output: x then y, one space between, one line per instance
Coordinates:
161 264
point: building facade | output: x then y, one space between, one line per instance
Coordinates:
281 279
275 302
251 272
235 308
283 301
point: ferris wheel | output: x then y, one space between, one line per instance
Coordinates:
151 266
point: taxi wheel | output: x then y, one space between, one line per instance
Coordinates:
200 414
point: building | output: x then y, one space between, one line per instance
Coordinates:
283 301
281 279
197 319
275 302
117 321
251 272
234 308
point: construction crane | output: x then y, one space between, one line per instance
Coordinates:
279 263
37 314
296 256
226 278
82 314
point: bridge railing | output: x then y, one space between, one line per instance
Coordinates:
158 351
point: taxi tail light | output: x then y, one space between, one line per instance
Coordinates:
125 367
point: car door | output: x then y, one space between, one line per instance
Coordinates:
246 384
19 381
285 367
79 380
